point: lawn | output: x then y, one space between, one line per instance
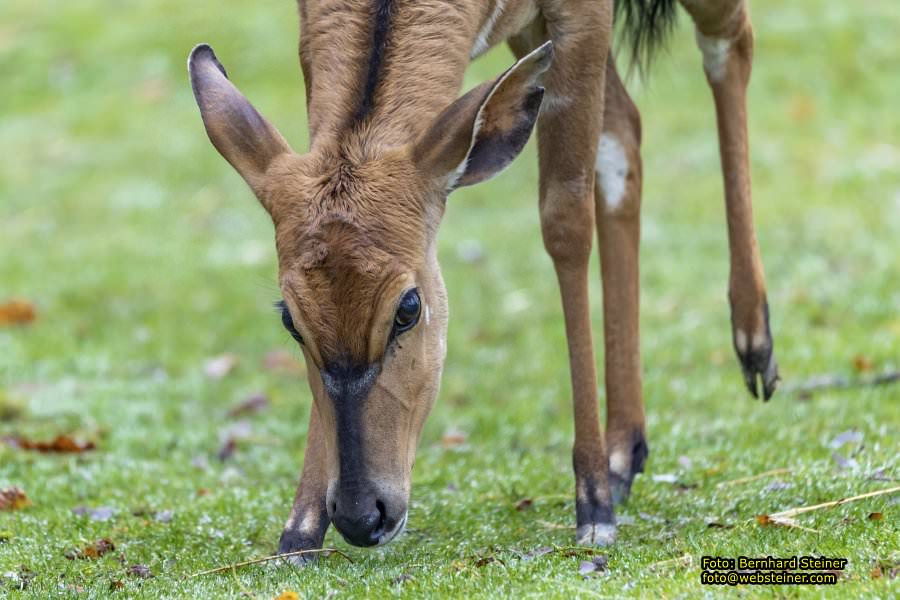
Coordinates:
146 257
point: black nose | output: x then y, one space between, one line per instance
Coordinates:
362 523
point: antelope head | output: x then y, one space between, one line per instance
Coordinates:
355 233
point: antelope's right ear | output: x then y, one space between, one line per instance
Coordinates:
240 134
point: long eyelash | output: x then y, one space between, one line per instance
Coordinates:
287 321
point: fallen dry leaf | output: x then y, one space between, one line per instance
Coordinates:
862 363
251 404
781 521
94 551
101 513
220 366
227 449
453 438
288 595
596 564
844 462
61 444
284 362
17 312
876 516
851 436
13 499
524 504
140 571
116 585
164 516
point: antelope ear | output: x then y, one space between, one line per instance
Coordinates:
240 134
480 134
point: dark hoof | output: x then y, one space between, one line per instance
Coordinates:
294 541
757 358
596 524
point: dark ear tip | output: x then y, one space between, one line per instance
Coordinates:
202 53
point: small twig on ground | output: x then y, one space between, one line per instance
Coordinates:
682 561
829 381
270 558
804 509
754 477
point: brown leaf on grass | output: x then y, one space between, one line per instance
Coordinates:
141 571
91 552
781 521
283 362
288 595
220 366
13 499
60 444
251 404
862 363
876 516
116 585
524 504
453 438
17 312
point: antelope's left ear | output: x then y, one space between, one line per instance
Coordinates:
240 134
480 134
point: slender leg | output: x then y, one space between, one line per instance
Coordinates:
725 37
568 130
308 521
618 212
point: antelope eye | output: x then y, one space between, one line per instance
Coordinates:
288 322
408 311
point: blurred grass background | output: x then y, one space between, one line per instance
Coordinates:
146 255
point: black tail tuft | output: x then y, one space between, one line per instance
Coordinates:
644 25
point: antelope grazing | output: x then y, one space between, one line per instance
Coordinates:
356 220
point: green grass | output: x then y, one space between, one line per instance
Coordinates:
145 255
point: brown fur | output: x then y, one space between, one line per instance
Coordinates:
356 220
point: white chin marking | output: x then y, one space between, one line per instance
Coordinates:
612 169
715 55
595 534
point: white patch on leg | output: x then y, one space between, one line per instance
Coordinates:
715 55
483 37
310 523
618 463
759 340
740 340
612 169
595 534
